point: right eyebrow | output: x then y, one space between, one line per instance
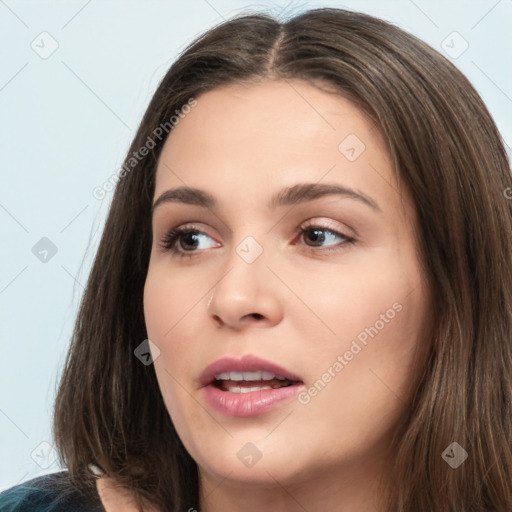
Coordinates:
186 195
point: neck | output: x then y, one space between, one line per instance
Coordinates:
353 488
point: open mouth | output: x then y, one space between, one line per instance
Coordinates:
247 386
246 382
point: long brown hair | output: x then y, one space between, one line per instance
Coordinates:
448 154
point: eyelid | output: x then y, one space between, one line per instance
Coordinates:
312 222
328 224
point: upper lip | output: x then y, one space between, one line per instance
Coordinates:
247 363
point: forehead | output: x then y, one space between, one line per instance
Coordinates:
257 138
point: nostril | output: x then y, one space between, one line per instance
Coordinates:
256 315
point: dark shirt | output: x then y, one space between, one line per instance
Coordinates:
49 493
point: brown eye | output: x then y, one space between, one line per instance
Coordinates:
320 236
184 241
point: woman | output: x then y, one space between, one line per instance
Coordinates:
302 299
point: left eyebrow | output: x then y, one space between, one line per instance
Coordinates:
296 194
303 192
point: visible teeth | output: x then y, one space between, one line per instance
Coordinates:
246 390
249 376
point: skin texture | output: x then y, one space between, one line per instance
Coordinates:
114 498
242 144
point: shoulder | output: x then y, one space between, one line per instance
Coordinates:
49 493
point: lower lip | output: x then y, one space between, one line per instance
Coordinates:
249 404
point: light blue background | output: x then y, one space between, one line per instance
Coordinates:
66 124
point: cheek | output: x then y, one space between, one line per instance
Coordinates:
346 300
372 378
169 311
368 330
168 301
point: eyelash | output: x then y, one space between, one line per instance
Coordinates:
170 239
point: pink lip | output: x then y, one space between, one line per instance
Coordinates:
254 402
247 363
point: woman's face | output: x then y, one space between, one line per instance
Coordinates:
308 244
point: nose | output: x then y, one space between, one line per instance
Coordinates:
247 295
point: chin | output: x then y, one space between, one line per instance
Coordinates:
244 463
